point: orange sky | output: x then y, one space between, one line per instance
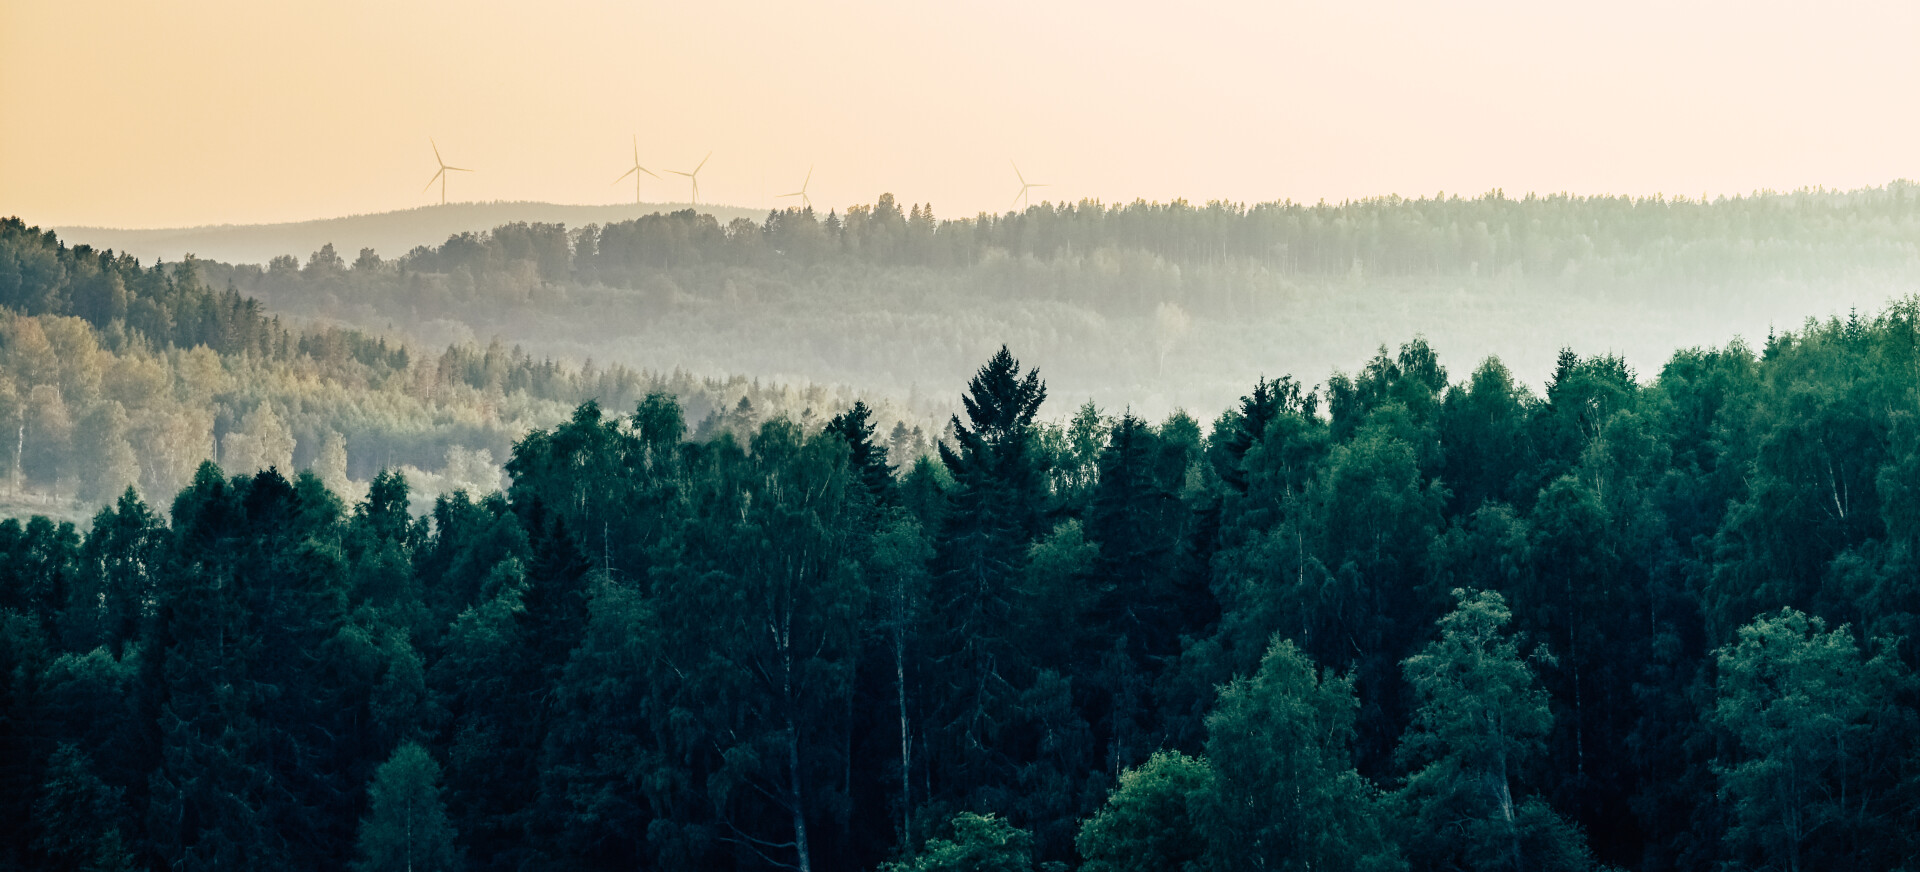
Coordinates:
146 114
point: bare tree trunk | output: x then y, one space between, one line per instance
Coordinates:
1503 795
795 795
906 742
805 863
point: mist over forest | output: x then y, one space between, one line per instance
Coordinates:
1550 533
1147 306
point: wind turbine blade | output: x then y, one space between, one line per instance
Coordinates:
436 151
456 169
644 170
636 149
703 162
1016 173
809 181
623 176
436 177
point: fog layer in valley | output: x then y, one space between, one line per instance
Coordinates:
1153 306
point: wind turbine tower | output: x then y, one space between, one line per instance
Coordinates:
635 172
694 177
441 176
802 193
1025 186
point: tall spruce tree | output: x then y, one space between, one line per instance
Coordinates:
993 515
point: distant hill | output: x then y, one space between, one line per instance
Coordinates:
389 233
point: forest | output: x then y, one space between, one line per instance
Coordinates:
1408 618
1148 306
113 373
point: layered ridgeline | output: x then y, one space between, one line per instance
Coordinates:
397 231
1153 306
1419 620
114 374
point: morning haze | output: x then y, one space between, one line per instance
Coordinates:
1001 437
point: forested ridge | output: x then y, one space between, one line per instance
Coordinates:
115 373
1405 619
1154 306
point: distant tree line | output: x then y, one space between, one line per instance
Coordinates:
114 374
168 306
1403 621
1540 236
891 297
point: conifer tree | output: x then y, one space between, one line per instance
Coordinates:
83 823
406 828
868 458
992 515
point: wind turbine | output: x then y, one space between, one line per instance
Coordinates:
635 172
441 176
802 193
1024 186
695 177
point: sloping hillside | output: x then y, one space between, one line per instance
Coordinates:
389 233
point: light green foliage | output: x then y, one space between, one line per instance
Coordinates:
1481 718
406 827
1148 823
105 461
1284 793
1811 718
980 843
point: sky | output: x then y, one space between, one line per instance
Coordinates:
162 114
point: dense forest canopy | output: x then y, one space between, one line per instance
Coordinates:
1153 306
1416 618
370 606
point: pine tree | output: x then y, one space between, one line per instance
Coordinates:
868 458
406 828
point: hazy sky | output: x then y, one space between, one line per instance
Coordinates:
142 113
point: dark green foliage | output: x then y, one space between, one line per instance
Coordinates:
993 512
867 458
406 827
82 822
1098 640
